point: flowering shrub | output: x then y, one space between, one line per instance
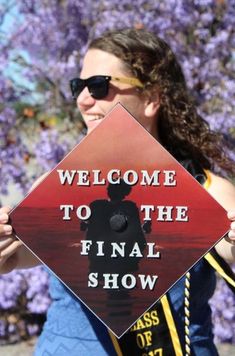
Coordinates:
24 300
223 305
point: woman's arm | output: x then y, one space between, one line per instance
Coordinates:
224 192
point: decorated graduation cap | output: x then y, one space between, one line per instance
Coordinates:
119 221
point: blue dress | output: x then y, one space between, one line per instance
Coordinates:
72 330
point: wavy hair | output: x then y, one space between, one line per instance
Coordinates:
182 131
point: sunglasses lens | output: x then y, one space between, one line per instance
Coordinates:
98 86
77 85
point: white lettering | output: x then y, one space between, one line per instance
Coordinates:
93 280
147 180
164 213
130 177
147 209
83 212
136 251
66 176
127 179
132 281
111 174
83 178
128 281
67 209
86 244
151 254
100 248
181 213
97 177
147 281
169 178
110 281
118 247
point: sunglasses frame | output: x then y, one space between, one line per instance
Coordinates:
106 79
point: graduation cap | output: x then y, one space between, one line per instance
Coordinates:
119 220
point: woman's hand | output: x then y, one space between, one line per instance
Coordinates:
9 245
224 192
13 253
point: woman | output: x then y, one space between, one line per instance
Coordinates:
139 70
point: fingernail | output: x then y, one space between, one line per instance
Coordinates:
7 229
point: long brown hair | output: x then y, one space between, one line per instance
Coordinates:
182 131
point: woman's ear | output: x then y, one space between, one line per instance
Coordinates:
152 104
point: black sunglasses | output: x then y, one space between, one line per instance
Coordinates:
98 85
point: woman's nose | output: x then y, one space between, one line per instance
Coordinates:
85 99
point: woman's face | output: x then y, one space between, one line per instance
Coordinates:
97 62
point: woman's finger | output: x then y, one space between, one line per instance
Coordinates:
5 242
12 248
5 230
